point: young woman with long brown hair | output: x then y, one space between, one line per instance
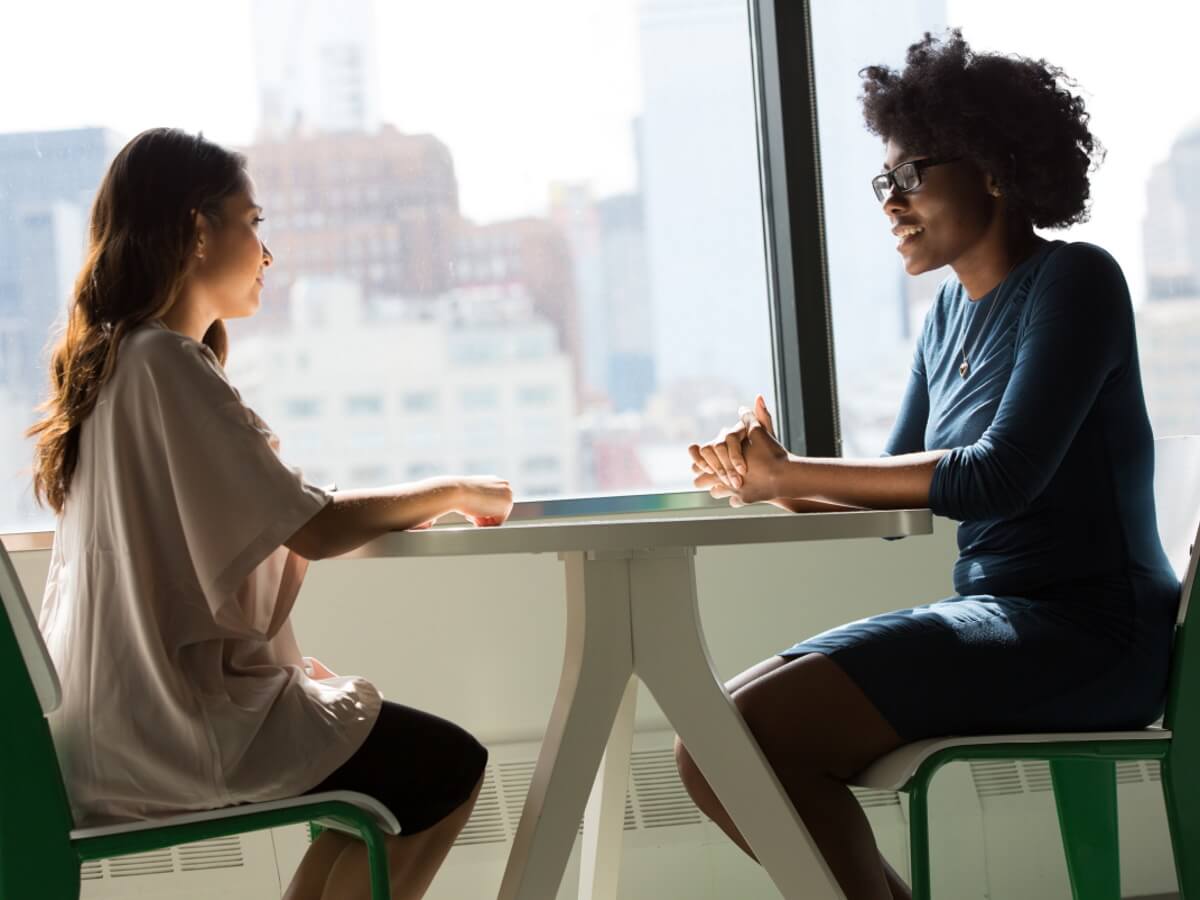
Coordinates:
182 539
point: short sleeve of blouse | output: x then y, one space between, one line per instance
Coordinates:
237 501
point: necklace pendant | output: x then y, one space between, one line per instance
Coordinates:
963 369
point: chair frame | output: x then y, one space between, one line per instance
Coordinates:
41 853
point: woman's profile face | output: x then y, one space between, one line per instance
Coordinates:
941 219
234 256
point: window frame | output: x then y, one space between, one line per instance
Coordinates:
797 271
793 207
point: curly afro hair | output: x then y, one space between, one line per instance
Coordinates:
1013 117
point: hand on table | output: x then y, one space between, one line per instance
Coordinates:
485 500
741 462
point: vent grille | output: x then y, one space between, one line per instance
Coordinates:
160 862
1037 776
221 853
1135 771
487 820
654 798
998 778
514 778
658 793
869 799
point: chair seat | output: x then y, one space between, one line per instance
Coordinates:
893 771
382 815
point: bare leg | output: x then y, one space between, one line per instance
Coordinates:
308 883
817 729
412 861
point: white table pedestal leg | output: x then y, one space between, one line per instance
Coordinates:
670 656
597 667
604 820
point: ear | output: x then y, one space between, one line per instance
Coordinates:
992 185
203 234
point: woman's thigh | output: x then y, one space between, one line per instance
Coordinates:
808 714
422 767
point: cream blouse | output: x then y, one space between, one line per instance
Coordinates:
168 599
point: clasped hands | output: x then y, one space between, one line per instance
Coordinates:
743 463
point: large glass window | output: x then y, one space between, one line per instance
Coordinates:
554 207
1131 64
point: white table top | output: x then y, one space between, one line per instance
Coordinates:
646 533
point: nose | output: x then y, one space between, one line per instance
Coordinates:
268 256
894 202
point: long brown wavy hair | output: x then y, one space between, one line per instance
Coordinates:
140 251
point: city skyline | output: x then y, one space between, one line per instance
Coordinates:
648 267
509 152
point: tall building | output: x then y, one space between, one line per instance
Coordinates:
573 209
608 248
532 254
47 182
381 209
629 310
472 381
316 66
1168 323
703 202
1171 229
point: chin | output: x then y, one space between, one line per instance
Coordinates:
918 265
242 312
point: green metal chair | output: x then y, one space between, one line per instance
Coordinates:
41 851
1083 766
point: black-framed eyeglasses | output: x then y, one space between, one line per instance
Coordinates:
904 177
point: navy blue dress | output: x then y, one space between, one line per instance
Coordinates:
1066 602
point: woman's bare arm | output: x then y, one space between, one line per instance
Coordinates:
354 517
890 482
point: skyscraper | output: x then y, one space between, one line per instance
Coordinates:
1171 229
47 182
703 206
380 209
316 66
607 238
1168 323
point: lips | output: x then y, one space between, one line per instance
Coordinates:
907 233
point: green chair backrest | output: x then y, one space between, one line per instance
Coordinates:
36 859
1177 500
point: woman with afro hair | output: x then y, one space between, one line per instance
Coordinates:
1023 420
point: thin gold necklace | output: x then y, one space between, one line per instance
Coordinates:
964 368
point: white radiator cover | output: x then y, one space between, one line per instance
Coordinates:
995 838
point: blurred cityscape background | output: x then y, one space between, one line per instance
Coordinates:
572 330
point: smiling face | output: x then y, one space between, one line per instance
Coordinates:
234 258
945 217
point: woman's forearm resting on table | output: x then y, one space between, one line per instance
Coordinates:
890 482
352 518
